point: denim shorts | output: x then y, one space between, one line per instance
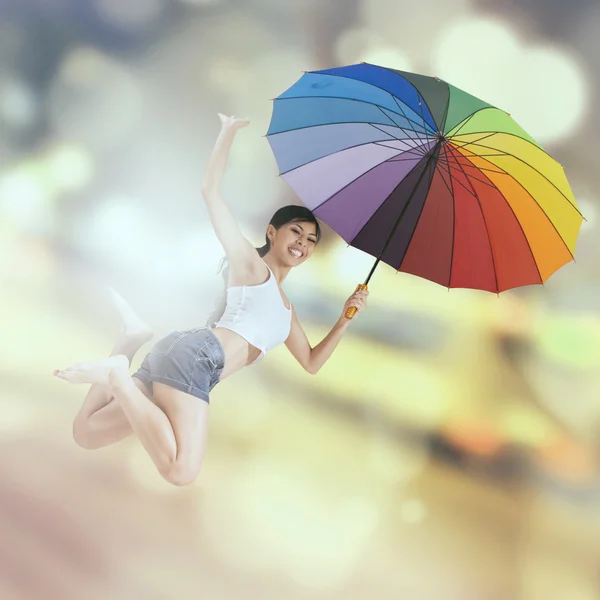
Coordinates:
190 361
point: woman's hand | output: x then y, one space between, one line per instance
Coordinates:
233 123
358 300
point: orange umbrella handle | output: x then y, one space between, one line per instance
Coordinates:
352 310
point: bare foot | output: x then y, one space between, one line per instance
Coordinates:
134 331
94 372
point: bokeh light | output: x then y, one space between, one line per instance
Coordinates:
352 43
95 100
386 56
25 200
413 511
289 525
411 32
18 104
119 231
363 45
543 87
132 15
69 167
396 464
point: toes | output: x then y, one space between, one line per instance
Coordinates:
66 374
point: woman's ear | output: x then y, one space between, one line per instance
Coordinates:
270 232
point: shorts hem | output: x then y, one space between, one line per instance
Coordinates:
178 385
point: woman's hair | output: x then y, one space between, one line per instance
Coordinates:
285 215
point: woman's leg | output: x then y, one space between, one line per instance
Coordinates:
101 421
172 426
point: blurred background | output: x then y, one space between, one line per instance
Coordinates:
449 449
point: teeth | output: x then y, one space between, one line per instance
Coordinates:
295 253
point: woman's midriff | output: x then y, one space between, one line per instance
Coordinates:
238 352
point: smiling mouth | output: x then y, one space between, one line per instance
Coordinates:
295 253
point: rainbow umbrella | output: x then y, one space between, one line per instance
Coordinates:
425 177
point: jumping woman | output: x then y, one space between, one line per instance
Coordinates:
165 403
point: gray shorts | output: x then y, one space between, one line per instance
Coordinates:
190 361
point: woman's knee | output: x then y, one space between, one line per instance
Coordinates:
82 435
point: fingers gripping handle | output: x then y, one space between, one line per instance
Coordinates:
352 310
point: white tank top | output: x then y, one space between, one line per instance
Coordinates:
258 314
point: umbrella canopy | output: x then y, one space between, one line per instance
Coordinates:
425 177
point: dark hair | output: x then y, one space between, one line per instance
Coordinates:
283 216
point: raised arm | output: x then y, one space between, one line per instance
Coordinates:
312 359
237 247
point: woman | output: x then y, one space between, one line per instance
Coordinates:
166 402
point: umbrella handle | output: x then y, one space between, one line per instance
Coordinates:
352 310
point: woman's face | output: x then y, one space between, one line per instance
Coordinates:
293 242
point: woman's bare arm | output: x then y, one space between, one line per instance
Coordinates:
237 248
312 359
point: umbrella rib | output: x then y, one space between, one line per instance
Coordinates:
421 107
486 229
483 169
445 159
337 152
390 160
521 226
482 155
531 167
403 114
349 100
416 90
468 118
465 144
471 176
427 166
336 123
444 163
394 122
378 260
382 131
421 97
461 184
453 217
418 144
351 182
456 162
394 126
427 139
533 143
539 206
440 162
443 128
380 88
418 149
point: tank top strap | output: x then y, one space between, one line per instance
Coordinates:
272 275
